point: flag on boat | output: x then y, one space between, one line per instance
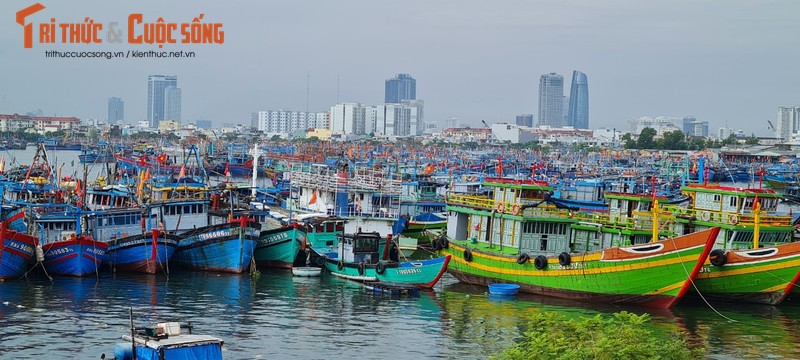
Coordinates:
227 170
313 199
3 164
183 172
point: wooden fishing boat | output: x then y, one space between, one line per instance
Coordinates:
365 257
17 252
755 256
512 236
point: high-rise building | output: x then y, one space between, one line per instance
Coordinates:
525 120
287 122
688 124
551 100
788 122
116 110
579 101
172 104
399 88
348 118
156 92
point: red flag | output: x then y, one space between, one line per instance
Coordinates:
183 172
313 199
499 168
755 203
227 170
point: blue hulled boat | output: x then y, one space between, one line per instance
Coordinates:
67 251
225 247
17 251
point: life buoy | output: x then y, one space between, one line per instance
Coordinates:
523 258
733 219
540 262
362 268
515 209
320 261
162 158
467 255
705 215
380 268
718 257
340 265
564 259
501 207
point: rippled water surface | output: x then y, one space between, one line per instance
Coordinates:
278 315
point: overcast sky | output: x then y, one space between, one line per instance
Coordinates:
726 62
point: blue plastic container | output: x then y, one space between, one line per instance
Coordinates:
503 289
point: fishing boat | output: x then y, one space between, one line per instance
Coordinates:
365 257
226 247
755 256
514 236
67 249
366 197
278 247
17 252
167 341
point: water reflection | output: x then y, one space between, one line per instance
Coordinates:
278 315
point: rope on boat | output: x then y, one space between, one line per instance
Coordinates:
695 285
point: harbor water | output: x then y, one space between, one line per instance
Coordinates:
276 315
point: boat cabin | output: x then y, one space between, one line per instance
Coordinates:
360 247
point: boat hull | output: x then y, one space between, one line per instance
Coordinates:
137 254
224 248
80 256
763 276
655 274
16 254
278 247
424 273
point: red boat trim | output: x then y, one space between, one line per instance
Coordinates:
90 257
18 253
67 257
712 237
792 284
441 272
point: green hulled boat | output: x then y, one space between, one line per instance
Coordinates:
514 236
755 256
365 257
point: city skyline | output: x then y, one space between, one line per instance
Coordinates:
261 66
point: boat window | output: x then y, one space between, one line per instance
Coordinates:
339 226
733 201
717 197
329 227
366 245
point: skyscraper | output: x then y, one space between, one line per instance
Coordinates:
551 100
172 104
156 92
401 87
116 110
579 101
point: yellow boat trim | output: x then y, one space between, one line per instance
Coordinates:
573 272
666 288
776 288
748 270
575 257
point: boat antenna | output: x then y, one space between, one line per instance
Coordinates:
133 338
